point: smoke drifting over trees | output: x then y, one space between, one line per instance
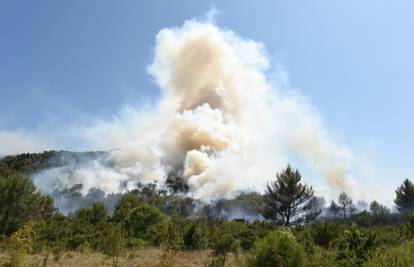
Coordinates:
219 124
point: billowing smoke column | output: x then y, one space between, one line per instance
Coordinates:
219 124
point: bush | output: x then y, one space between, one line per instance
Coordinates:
147 223
401 256
278 248
20 242
324 233
410 224
222 242
321 258
354 247
304 237
196 236
113 243
19 201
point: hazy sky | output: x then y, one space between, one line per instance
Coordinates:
65 60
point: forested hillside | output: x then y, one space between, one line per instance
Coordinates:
30 163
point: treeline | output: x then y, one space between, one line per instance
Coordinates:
288 226
30 163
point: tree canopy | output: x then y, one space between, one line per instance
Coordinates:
405 197
288 201
345 204
19 201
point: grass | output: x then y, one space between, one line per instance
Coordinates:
148 257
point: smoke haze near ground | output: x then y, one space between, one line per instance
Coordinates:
219 124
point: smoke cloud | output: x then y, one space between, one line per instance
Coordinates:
220 124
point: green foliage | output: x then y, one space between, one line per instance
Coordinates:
410 224
244 233
174 236
288 201
399 256
29 224
404 198
88 225
321 258
176 184
147 223
222 241
52 234
19 201
355 247
324 233
113 242
20 242
125 204
181 205
278 248
304 237
334 209
345 204
173 241
29 163
94 215
196 236
378 210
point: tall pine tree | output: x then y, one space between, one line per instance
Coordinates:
405 197
288 201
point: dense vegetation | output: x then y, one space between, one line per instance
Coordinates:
287 226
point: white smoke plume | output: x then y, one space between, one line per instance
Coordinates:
219 123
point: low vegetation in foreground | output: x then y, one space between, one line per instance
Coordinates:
289 226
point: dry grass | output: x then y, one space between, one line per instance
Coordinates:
148 257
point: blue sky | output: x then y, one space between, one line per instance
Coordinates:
61 60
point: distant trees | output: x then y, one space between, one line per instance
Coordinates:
19 201
343 208
334 209
287 201
378 210
346 205
405 197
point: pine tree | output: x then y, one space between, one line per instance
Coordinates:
346 205
20 201
334 209
405 197
288 201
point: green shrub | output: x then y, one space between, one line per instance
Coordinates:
321 257
354 247
222 242
401 256
20 242
146 222
113 243
410 224
278 248
304 237
196 236
52 233
324 233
